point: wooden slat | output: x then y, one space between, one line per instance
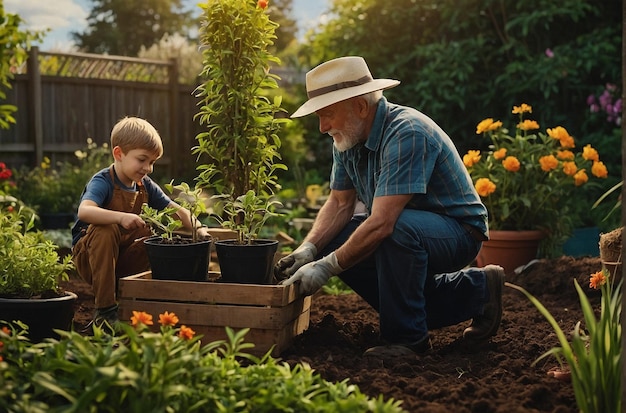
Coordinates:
234 316
139 287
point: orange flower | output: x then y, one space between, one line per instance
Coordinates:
590 154
598 169
523 108
597 280
580 177
570 168
168 319
528 124
548 163
568 142
141 317
565 155
6 330
485 187
563 136
499 154
186 333
262 3
487 125
471 158
511 163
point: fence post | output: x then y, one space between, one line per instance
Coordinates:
34 103
174 168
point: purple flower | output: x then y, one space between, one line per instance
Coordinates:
549 53
591 99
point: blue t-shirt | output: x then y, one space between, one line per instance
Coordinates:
406 152
100 188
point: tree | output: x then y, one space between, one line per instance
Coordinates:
122 27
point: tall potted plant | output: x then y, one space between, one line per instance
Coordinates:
238 151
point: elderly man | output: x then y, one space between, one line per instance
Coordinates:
424 221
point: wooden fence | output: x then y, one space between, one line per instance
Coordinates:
65 98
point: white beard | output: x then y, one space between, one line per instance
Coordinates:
352 133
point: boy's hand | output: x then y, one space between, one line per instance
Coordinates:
203 233
131 221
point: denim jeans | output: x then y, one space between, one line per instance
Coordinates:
416 278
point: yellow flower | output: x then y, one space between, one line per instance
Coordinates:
597 280
523 108
511 163
548 163
590 154
46 163
499 154
599 170
565 155
471 158
528 124
487 125
580 177
569 168
141 317
485 187
186 333
168 319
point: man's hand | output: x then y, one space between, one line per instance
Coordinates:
288 265
314 275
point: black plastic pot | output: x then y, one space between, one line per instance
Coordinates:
180 262
246 264
41 315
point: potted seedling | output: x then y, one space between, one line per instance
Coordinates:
30 275
172 255
238 152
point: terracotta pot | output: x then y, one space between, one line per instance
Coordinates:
510 249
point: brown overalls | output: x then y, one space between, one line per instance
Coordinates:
108 252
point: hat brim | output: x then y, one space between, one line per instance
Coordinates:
327 99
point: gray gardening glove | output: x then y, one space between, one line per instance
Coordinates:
288 265
314 275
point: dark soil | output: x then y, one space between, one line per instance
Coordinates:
496 376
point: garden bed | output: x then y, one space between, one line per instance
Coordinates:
498 376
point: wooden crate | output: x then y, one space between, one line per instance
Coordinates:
275 314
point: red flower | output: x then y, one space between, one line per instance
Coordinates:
262 4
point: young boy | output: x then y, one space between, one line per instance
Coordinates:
107 238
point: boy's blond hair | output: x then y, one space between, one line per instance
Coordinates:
136 133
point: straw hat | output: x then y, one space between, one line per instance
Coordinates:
339 79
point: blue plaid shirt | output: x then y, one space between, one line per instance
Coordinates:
408 153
